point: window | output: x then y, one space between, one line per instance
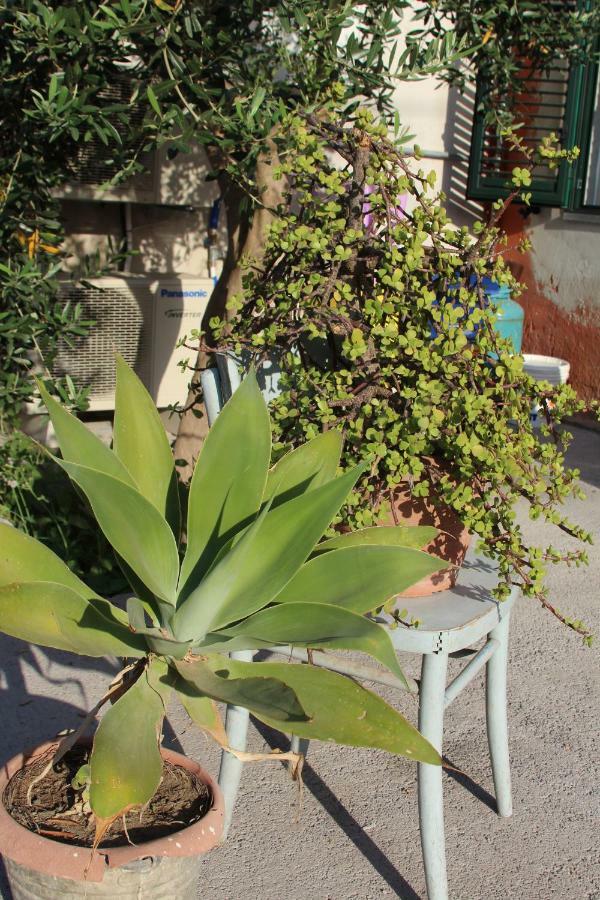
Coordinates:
563 100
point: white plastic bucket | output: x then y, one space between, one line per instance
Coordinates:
547 368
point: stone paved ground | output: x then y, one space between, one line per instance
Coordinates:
355 834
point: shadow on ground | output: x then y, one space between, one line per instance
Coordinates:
584 454
35 685
343 818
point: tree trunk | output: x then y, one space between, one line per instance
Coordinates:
246 233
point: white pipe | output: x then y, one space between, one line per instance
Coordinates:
438 154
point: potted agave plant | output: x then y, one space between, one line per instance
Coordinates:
249 574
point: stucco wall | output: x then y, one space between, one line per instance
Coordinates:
439 120
562 294
566 257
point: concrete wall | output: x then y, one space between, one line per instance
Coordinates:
561 299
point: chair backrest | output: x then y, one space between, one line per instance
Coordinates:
218 384
220 381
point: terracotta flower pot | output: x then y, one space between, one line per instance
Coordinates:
39 868
451 544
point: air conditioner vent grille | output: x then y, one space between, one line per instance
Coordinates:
94 164
122 324
95 167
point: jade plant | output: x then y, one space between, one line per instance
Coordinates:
249 574
372 303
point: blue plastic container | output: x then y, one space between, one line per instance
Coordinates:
509 323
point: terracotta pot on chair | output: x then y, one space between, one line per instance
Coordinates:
450 545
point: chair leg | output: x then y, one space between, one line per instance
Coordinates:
299 745
496 715
431 801
230 770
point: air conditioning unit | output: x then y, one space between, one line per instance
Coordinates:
92 167
87 182
180 181
142 318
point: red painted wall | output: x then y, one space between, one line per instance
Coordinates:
573 335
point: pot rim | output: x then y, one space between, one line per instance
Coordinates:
80 863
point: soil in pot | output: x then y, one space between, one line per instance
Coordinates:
55 810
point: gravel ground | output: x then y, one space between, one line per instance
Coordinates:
353 834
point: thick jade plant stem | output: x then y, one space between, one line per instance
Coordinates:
251 574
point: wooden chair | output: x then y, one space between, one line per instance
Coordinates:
451 622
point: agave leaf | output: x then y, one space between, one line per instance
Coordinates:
140 443
156 609
125 764
136 616
416 536
133 526
23 558
264 560
211 676
202 711
317 625
305 468
157 639
221 642
78 444
55 616
228 481
167 647
359 578
340 710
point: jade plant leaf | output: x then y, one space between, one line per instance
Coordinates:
78 444
263 561
126 764
317 625
141 445
305 468
340 710
133 526
53 615
359 578
255 690
416 536
229 479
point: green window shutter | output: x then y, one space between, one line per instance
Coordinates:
585 193
550 102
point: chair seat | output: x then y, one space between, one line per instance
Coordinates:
454 619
